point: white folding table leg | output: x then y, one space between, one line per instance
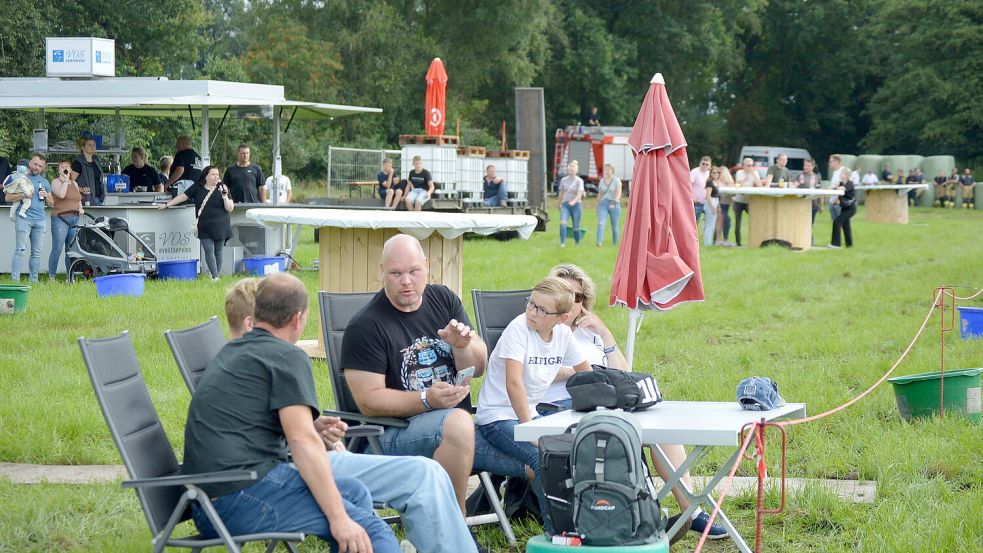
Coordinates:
698 499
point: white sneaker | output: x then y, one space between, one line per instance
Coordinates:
832 247
406 547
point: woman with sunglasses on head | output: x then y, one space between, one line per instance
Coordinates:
600 348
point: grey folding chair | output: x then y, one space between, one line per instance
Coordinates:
494 310
164 493
337 310
194 347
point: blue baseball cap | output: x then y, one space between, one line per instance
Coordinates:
759 393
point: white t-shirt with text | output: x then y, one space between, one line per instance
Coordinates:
540 363
592 346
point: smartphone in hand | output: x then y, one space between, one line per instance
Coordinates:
464 376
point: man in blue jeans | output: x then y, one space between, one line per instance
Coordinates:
29 230
255 400
401 356
494 191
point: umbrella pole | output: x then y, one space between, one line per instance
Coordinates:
634 323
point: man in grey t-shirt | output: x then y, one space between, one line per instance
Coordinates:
778 172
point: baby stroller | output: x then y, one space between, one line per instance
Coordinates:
101 247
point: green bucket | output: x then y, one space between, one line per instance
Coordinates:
13 298
918 394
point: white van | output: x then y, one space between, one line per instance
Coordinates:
764 157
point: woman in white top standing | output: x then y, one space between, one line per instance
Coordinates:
746 177
571 202
608 204
600 348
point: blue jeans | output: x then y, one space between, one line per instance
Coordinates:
424 434
725 213
710 221
62 235
608 209
567 212
29 233
697 209
499 199
282 502
501 434
419 489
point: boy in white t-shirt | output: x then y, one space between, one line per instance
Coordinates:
281 187
521 368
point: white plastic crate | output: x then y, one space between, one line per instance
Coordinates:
470 173
441 161
515 172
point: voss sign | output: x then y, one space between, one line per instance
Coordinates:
80 57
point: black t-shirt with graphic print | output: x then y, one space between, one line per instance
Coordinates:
405 347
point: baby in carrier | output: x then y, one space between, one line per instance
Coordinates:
18 183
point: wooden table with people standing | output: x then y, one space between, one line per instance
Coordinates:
888 203
780 213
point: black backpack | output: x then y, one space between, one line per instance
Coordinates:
554 469
612 389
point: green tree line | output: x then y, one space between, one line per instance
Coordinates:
849 76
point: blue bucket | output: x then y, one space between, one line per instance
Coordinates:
970 323
181 269
263 266
129 284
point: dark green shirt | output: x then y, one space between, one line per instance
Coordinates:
233 421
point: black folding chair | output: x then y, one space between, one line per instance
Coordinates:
337 310
494 310
194 347
164 493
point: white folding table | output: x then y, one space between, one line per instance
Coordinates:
701 424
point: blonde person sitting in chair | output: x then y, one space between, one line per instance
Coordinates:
599 346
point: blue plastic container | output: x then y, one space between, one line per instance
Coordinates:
181 269
970 323
130 284
117 183
263 266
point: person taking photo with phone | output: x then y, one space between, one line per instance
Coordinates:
212 207
64 215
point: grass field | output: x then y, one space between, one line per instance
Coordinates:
825 324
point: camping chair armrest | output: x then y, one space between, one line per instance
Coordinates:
364 431
358 417
192 479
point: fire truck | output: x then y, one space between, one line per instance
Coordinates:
592 148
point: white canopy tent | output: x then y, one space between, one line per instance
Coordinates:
161 97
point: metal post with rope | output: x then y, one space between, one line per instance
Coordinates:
756 431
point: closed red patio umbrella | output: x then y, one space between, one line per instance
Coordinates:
436 91
658 264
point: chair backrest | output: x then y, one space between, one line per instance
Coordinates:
494 310
337 310
194 348
133 422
